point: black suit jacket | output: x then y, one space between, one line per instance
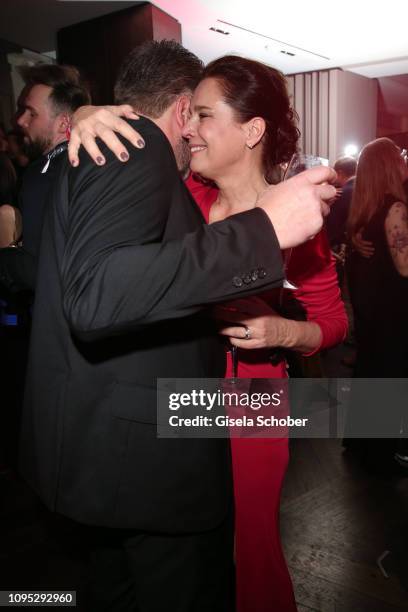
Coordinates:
18 267
336 222
126 265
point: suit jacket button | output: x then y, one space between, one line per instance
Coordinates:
237 281
254 275
247 279
261 273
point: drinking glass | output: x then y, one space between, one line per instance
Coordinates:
298 163
302 161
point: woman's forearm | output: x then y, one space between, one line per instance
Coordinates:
302 336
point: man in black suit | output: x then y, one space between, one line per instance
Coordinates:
336 222
126 266
51 95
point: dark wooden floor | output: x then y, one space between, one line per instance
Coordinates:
338 515
336 520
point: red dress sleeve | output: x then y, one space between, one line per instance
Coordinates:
312 269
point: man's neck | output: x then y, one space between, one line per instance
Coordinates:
57 142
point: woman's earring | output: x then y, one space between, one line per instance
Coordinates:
250 146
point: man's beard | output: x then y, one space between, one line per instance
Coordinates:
183 156
35 148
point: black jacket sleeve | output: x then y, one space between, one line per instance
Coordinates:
121 268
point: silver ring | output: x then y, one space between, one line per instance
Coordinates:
248 334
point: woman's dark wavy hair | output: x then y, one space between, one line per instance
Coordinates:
253 89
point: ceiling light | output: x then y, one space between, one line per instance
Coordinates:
219 31
351 150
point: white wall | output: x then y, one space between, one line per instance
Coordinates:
335 108
356 116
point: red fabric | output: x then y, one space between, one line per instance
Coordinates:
259 465
312 268
263 581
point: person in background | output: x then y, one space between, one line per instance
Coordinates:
10 230
52 94
8 181
239 136
3 139
17 154
366 247
336 222
378 283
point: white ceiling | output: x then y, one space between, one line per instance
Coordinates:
367 37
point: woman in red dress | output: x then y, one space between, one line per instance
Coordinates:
241 128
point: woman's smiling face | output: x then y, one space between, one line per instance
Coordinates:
217 141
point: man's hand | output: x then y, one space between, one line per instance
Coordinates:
296 207
90 122
364 247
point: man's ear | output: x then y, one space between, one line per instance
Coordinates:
255 129
63 123
182 109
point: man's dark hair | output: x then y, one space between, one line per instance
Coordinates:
69 91
154 74
346 165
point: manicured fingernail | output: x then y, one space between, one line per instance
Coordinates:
140 143
124 156
74 163
100 160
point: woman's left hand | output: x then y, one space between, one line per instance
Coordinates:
251 324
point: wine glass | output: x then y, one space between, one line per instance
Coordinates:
298 163
302 161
